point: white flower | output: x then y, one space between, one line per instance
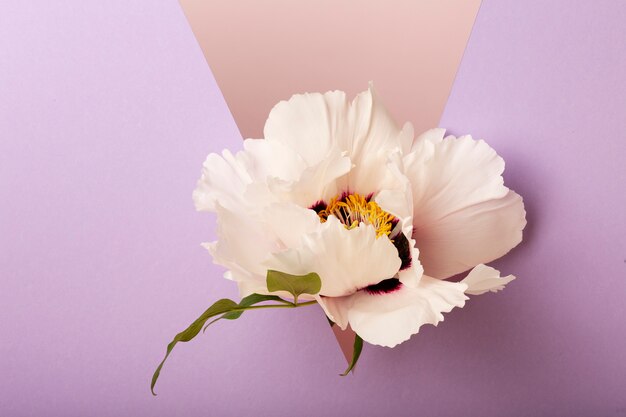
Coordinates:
382 217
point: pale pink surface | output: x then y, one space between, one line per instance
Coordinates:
261 52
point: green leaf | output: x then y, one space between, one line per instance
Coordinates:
294 284
219 307
247 302
358 347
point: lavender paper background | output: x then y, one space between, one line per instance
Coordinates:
107 110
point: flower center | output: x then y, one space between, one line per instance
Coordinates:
354 209
351 210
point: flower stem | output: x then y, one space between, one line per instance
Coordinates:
290 305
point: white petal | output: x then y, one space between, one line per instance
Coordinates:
223 181
271 159
463 214
375 135
288 222
315 125
477 234
267 172
243 242
336 309
346 260
309 123
246 240
395 194
391 318
246 282
397 199
317 182
483 279
433 136
374 128
455 172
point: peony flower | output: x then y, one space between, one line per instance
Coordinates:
383 217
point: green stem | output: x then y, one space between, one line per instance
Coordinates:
290 305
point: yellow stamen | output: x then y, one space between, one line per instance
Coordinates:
355 209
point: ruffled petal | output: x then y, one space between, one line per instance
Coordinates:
396 198
387 319
243 243
483 279
223 182
309 124
279 174
247 240
264 159
432 135
336 309
315 125
395 194
477 234
288 222
315 183
463 215
375 136
247 283
346 260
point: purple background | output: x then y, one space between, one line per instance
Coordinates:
107 111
